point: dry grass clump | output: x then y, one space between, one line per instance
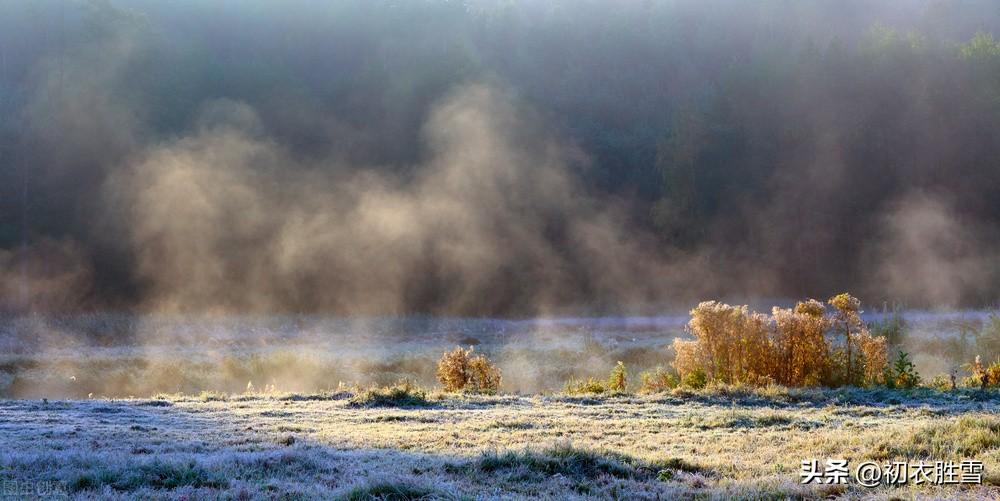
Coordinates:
403 394
153 475
658 381
566 460
458 370
589 386
386 491
734 345
616 383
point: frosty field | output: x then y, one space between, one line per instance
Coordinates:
277 408
688 445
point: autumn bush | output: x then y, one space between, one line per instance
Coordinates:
732 344
618 379
800 346
459 370
483 376
658 381
983 375
993 374
861 358
803 346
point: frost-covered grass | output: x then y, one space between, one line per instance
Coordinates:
324 421
716 443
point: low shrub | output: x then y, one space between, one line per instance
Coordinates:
902 374
861 359
484 377
983 376
458 370
993 374
695 380
618 380
658 381
800 347
451 370
942 382
734 345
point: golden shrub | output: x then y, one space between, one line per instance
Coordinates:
458 370
483 376
845 303
982 375
755 353
800 346
618 379
688 357
810 307
873 356
862 358
992 374
733 345
451 371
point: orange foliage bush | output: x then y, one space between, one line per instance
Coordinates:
873 357
862 357
451 370
736 346
688 357
732 344
801 349
458 370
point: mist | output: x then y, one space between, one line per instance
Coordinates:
226 219
495 159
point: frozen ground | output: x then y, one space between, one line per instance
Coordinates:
681 445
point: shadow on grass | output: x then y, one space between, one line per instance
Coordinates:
205 450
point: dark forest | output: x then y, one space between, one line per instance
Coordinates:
496 157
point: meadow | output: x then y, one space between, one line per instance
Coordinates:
305 408
711 444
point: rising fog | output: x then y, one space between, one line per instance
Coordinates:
495 158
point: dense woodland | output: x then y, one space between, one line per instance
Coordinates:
827 145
